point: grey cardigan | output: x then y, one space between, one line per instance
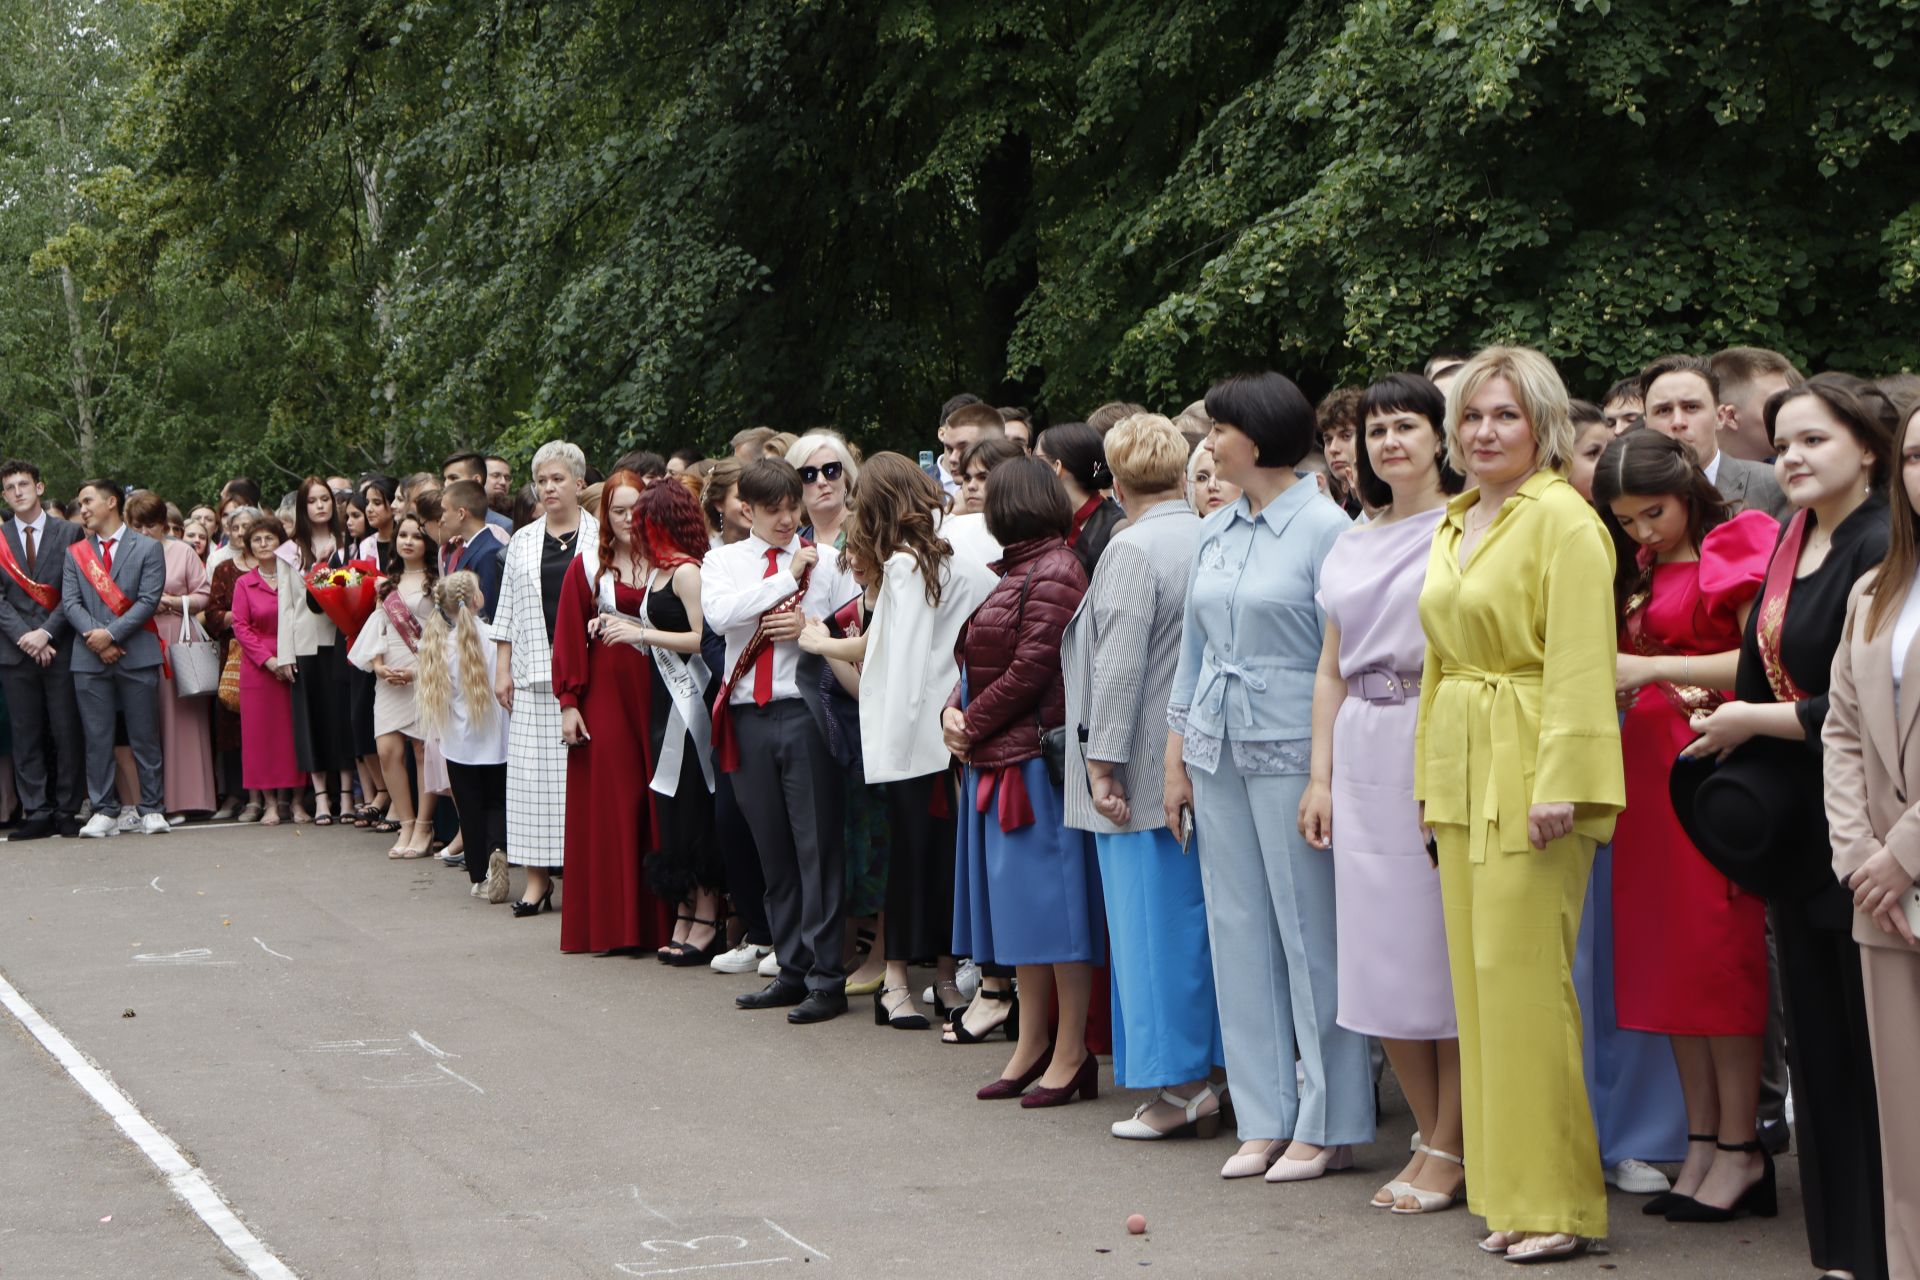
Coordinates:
1119 656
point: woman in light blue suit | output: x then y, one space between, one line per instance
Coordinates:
1241 711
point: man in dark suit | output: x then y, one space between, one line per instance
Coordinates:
36 668
1681 396
468 542
108 592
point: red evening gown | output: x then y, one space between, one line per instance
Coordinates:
1690 951
610 824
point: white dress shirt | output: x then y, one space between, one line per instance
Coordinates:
1713 468
735 591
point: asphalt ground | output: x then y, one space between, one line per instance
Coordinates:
385 1077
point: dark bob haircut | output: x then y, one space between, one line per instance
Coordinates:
1025 500
770 482
1269 410
1077 447
1403 393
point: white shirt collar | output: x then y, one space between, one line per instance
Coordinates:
1713 468
38 524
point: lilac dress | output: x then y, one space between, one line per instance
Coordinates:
1394 980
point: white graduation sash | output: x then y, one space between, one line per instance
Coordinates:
685 676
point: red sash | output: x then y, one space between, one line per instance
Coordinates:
1773 609
404 623
111 595
44 594
726 747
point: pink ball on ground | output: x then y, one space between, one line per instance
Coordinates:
1137 1225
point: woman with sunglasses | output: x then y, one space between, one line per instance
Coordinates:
827 472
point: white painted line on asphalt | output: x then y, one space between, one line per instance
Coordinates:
457 1076
433 1049
703 1266
796 1240
635 1188
186 1181
270 951
119 888
154 884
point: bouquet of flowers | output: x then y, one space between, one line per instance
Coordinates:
347 595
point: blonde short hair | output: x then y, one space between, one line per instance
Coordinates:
1537 387
776 445
1146 454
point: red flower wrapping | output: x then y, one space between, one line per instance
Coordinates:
348 596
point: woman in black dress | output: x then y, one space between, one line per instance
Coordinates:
685 866
1834 456
322 691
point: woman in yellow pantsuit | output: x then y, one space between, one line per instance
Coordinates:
1519 774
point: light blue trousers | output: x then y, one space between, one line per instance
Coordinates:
1271 920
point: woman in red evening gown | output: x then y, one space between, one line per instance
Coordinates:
605 704
1690 954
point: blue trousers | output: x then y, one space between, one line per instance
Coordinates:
1270 916
1632 1084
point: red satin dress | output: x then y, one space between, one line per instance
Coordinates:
606 905
1690 950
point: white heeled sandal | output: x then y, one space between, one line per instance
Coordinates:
1194 1125
1428 1201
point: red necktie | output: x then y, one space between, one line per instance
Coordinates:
454 548
106 553
763 665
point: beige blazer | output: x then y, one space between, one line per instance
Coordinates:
1872 754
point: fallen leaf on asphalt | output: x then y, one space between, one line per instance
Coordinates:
128 1014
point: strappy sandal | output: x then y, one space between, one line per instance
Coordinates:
686 956
1428 1201
665 953
1194 1124
1572 1246
424 852
387 826
957 1024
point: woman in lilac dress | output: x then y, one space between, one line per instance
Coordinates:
1393 971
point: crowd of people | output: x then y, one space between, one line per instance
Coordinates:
1550 752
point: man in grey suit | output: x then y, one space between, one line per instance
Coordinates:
116 665
36 669
1681 396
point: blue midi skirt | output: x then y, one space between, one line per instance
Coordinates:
1166 1023
1030 896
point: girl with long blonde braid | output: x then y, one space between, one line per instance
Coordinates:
456 667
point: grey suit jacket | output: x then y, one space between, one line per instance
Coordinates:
20 612
1750 486
139 570
1118 659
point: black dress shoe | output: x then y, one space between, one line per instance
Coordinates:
819 1006
68 827
1775 1136
34 829
775 995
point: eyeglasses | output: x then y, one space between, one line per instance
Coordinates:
831 471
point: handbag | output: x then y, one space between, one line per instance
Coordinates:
230 679
196 660
1053 742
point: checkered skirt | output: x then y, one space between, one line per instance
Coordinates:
536 781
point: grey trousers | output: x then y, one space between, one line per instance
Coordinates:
131 692
46 731
791 794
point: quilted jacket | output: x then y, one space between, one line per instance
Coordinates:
1012 658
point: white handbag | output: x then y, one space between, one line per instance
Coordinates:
195 659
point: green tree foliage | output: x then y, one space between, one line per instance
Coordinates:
352 233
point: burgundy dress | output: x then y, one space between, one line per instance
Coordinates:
1690 951
610 816
266 706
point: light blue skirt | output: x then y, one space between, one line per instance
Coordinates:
1166 1023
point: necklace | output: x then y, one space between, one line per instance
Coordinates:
1479 526
565 539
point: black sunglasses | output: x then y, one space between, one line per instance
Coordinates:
831 471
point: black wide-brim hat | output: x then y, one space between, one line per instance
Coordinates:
1756 817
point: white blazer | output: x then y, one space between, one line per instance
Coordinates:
910 668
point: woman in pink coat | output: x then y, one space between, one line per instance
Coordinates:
267 761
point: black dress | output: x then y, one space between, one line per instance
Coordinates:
323 698
1836 1121
688 856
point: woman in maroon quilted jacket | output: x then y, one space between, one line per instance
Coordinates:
1026 887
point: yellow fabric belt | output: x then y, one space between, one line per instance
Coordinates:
1505 801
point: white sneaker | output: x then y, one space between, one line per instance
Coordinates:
155 824
1638 1178
769 965
479 890
100 826
744 958
177 820
129 819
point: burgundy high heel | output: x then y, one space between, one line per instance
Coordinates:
1004 1088
1085 1082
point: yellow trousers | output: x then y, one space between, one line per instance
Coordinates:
1533 1161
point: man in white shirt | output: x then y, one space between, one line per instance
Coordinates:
36 659
787 783
1681 396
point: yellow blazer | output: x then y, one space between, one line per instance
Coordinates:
1871 754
